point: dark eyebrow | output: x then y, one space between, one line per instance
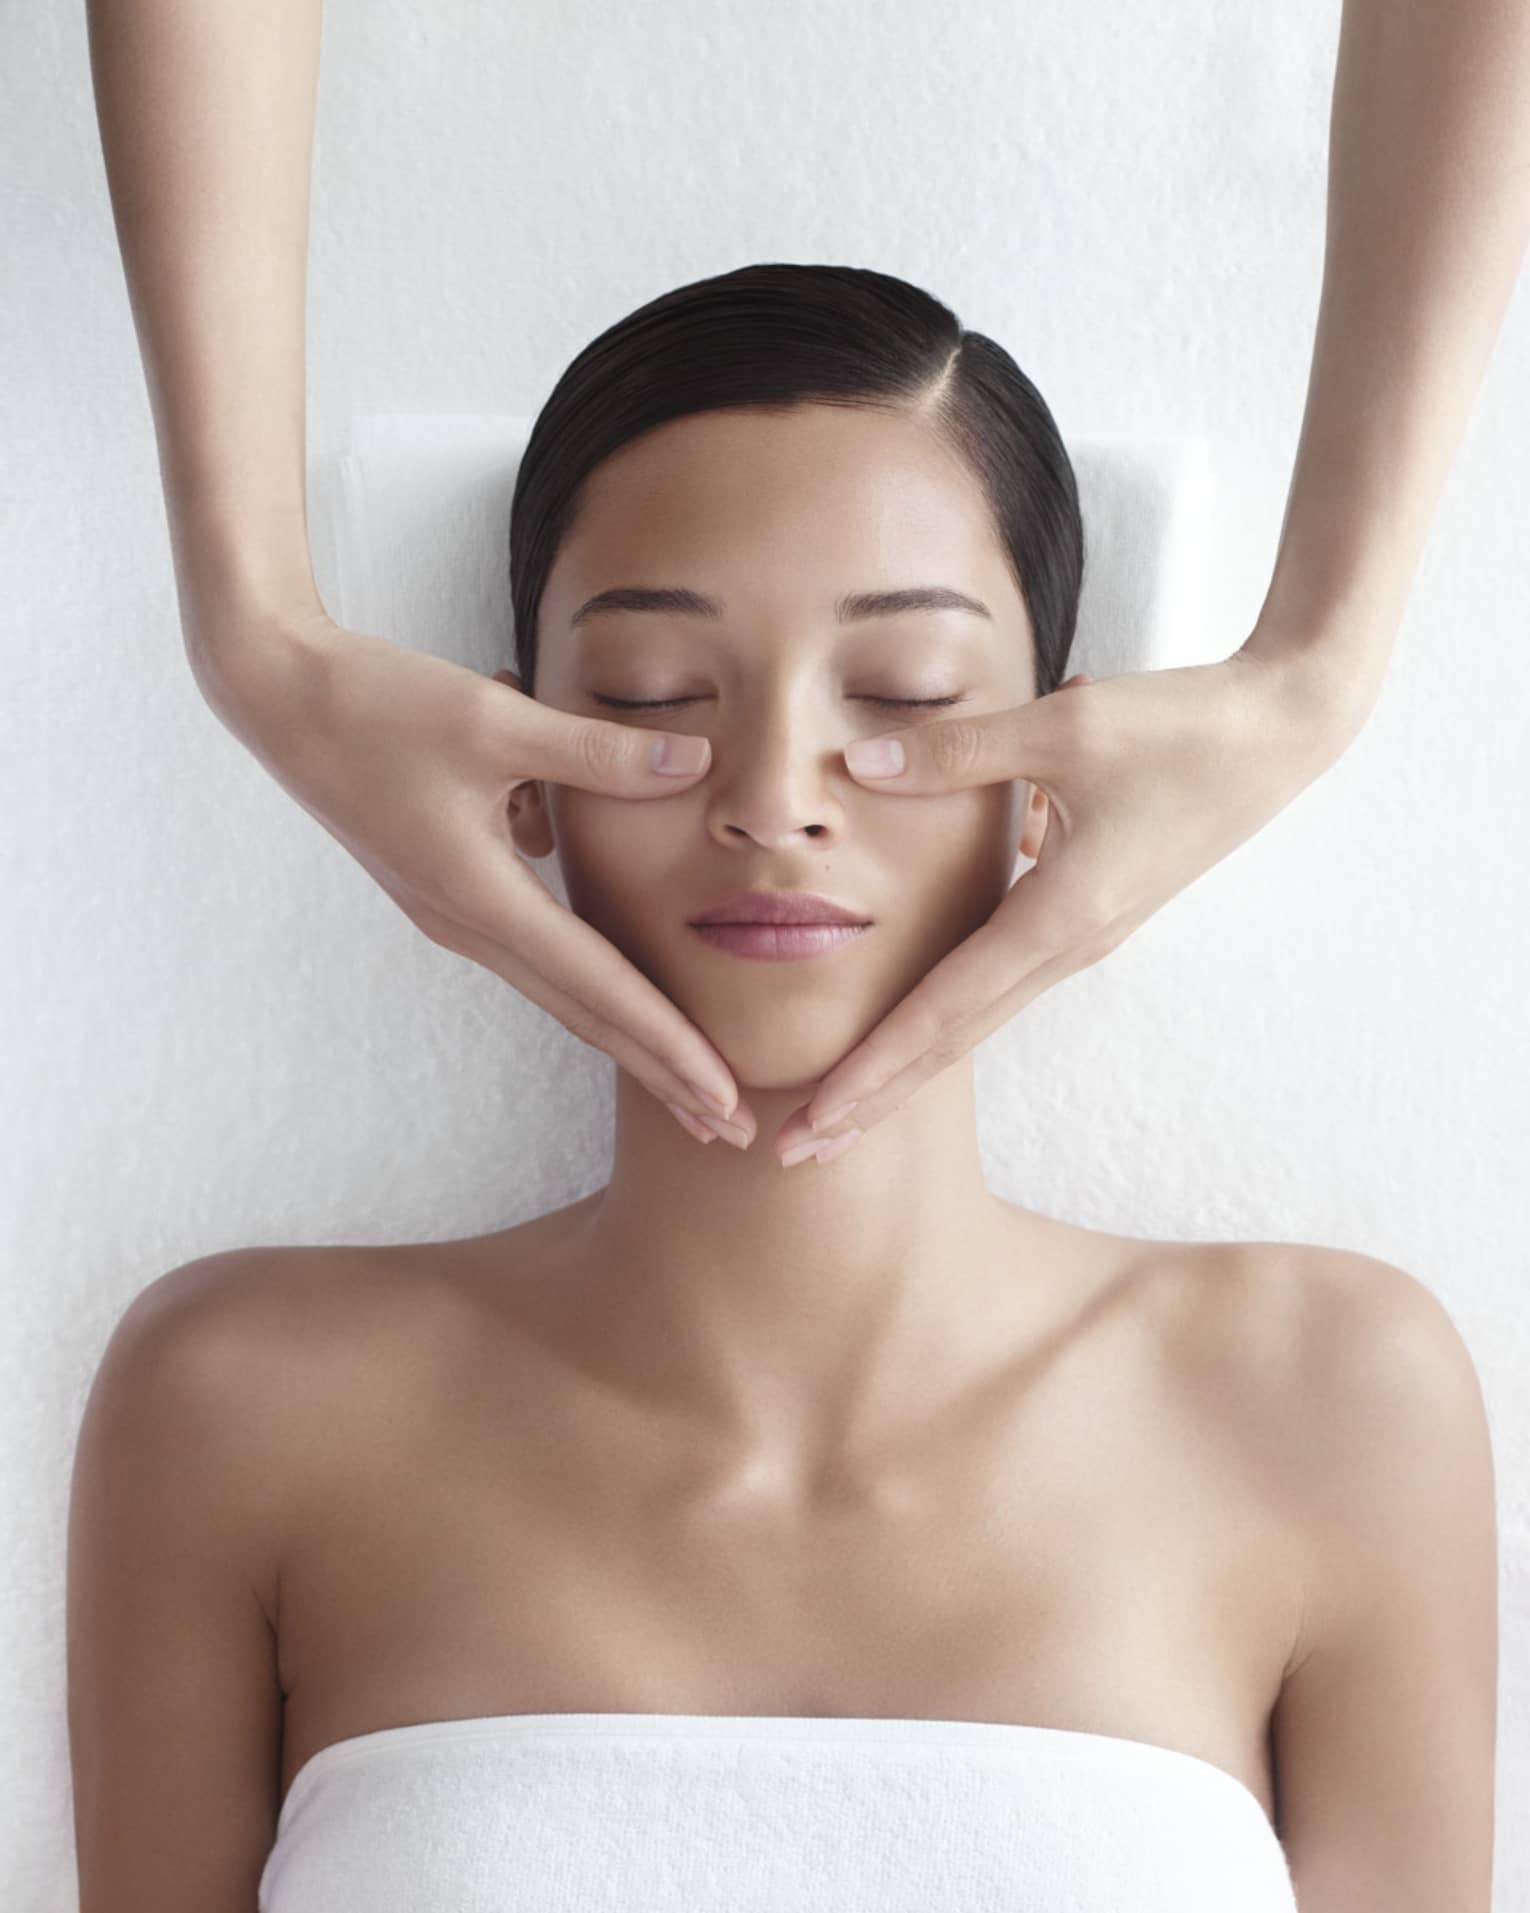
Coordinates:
862 604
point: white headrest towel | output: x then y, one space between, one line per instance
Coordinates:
409 530
694 1813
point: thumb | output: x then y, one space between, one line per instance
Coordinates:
596 754
956 753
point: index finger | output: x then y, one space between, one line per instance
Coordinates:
513 925
1038 935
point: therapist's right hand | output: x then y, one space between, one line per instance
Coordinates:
408 760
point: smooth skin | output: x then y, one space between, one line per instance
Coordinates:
206 115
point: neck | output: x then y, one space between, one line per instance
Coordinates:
786 1307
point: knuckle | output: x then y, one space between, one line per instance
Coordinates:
948 1047
602 750
939 1039
956 747
926 1026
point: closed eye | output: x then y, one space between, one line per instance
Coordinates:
672 703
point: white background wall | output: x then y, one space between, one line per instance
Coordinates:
218 1031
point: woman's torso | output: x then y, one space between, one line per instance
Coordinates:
1107 1540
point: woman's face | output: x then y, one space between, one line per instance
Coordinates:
777 518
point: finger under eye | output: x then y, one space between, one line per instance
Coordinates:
961 752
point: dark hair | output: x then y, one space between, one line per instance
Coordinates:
775 336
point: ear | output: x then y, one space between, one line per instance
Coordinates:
1037 811
526 806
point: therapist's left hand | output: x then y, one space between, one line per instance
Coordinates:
1151 778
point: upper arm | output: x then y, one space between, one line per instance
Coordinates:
174 1696
1385 1726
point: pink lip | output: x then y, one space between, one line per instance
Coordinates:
776 907
779 942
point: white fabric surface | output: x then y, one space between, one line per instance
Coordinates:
687 1813
409 533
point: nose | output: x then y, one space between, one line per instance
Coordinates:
776 781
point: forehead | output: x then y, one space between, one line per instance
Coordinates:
804 505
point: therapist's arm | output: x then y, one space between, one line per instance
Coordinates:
410 762
1428 217
206 113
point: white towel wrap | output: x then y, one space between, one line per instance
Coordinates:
687 1813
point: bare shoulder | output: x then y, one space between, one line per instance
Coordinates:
1358 1334
1324 1317
201 1443
316 1346
264 1342
214 1323
1318 1353
1387 1391
304 1304
1368 1398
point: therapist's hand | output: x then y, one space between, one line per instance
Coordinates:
1151 778
408 760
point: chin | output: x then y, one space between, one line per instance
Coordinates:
775 1038
757 1066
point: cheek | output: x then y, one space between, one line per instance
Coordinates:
969 837
950 860
610 854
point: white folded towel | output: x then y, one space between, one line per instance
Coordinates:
703 1813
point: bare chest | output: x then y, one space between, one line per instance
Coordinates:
1102 1553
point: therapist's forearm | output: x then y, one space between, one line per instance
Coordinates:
206 112
1428 218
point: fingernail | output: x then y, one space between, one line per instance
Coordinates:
875 756
678 756
837 1145
834 1116
800 1153
692 1125
734 1133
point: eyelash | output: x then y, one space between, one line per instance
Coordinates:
670 703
